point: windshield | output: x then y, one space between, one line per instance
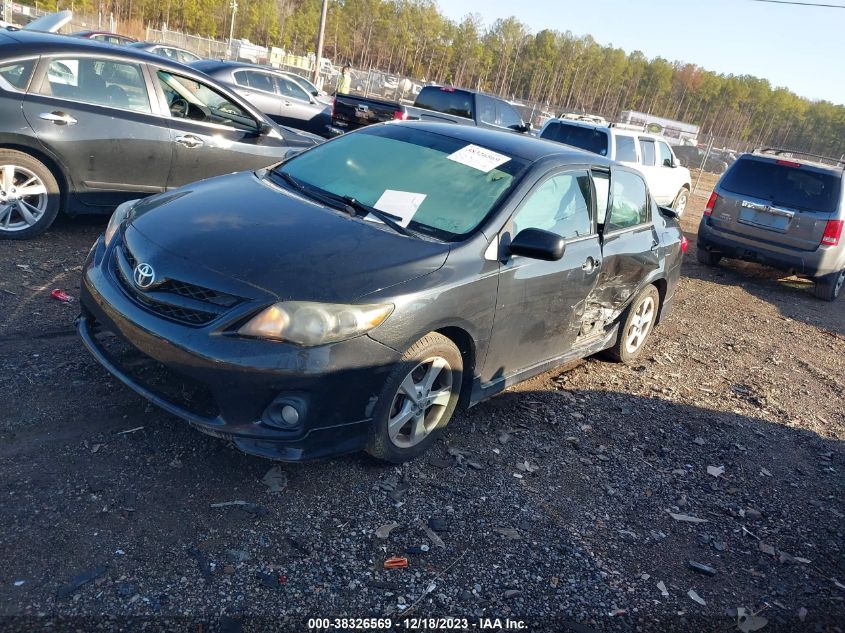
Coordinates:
588 138
784 184
432 184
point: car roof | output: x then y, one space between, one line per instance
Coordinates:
216 64
780 156
530 148
23 43
610 128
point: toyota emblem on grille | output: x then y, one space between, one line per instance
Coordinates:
144 275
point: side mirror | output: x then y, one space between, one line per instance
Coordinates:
537 244
293 152
264 128
522 127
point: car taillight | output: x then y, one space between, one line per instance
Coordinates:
832 232
708 208
334 105
400 116
684 243
788 163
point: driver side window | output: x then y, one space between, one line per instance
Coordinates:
190 99
561 205
288 88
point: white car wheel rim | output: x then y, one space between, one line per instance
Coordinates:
640 325
23 198
420 402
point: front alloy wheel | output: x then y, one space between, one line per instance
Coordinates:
418 400
420 403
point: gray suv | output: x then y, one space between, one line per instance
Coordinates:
776 209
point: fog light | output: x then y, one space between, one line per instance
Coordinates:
287 412
290 415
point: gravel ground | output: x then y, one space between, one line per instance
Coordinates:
574 502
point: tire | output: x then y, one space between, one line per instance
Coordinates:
680 204
23 217
402 430
706 257
830 286
639 318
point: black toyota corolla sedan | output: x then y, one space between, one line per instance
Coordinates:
85 125
358 294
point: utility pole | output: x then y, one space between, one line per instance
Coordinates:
320 37
232 25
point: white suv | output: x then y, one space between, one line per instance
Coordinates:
668 182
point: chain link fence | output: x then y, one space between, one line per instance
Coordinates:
203 46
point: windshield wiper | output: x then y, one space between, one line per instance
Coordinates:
347 204
289 179
312 192
388 219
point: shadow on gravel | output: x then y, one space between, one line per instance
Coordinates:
581 481
792 296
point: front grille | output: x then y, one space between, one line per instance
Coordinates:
166 310
130 258
182 391
192 291
166 298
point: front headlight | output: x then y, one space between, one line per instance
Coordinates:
308 323
116 219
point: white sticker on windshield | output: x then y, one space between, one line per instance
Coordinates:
402 205
478 158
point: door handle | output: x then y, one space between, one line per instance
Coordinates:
57 117
590 265
655 247
287 103
189 140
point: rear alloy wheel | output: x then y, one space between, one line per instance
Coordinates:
830 286
418 400
29 196
636 325
680 204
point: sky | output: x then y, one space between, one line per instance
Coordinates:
797 47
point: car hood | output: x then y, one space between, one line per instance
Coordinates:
244 227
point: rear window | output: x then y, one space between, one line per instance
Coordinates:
625 150
17 73
446 100
783 185
588 138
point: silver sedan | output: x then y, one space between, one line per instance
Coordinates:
278 95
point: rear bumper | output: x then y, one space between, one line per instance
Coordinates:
822 261
227 390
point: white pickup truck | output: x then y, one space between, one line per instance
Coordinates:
668 181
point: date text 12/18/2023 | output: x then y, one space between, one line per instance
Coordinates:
417 624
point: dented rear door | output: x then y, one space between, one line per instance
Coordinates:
630 247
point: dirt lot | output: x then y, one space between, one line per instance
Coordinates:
108 504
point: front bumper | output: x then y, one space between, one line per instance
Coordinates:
822 261
333 387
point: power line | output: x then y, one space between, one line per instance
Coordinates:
803 4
